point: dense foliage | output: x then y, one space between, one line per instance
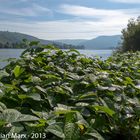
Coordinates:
131 36
64 95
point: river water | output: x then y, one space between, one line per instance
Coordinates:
15 53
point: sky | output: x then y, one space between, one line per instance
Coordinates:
67 19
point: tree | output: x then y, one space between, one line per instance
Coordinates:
131 36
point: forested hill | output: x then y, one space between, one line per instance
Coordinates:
102 42
15 40
14 37
98 43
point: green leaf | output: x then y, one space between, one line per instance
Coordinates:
12 115
56 130
34 96
2 107
96 135
71 131
24 87
137 110
16 128
73 51
128 80
63 109
25 118
40 89
104 109
18 71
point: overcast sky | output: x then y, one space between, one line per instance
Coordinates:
67 19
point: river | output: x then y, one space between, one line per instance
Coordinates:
15 53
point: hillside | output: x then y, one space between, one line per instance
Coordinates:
101 42
14 37
14 40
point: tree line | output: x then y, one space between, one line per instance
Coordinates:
23 45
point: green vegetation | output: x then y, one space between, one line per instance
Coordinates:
64 95
131 36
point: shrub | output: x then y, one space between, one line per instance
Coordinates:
64 95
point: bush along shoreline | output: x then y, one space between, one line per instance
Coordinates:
64 95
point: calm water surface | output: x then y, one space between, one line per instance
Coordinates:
15 53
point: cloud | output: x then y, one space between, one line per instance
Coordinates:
40 8
126 1
32 10
81 25
86 12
